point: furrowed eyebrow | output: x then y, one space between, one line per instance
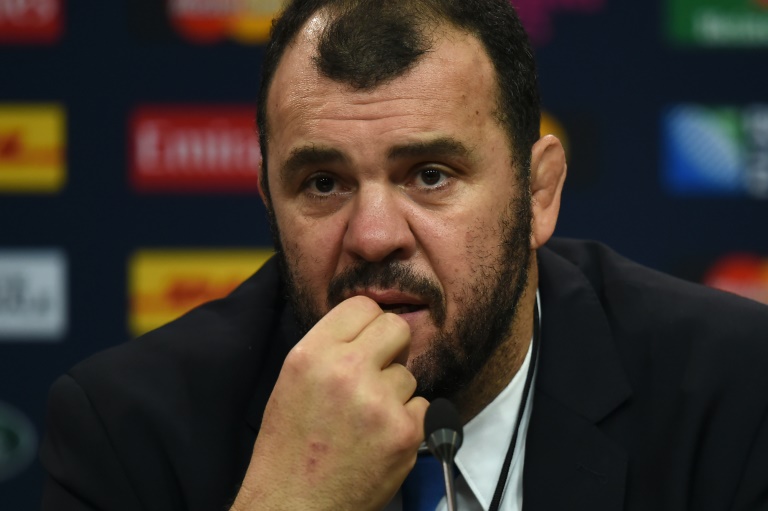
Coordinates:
442 147
309 155
315 155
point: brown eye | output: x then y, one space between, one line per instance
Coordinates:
430 177
323 184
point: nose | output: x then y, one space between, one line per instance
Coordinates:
378 227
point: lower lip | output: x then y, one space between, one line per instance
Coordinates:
415 316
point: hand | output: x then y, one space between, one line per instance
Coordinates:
341 428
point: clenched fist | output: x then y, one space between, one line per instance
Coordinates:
341 428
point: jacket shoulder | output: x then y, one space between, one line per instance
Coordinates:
199 371
692 359
222 333
677 327
630 290
172 407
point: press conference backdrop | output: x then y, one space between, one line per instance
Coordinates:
128 164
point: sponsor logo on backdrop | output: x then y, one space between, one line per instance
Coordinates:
203 21
30 21
537 15
743 274
718 23
578 132
249 21
211 21
32 148
194 149
551 125
33 295
165 284
716 151
18 442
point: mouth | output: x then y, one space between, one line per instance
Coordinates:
392 301
401 308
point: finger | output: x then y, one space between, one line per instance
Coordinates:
345 321
384 339
416 407
400 380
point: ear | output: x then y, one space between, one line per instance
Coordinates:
548 169
260 183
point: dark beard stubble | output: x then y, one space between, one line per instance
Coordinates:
487 307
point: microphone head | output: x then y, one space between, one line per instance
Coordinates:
441 414
443 429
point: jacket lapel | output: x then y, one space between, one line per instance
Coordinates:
570 463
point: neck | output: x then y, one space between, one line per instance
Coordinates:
506 360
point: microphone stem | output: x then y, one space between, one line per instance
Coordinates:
450 488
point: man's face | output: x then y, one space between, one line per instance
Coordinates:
406 194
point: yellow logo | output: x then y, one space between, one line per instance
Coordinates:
164 284
32 148
551 126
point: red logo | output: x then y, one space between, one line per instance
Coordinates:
742 274
195 149
30 21
10 145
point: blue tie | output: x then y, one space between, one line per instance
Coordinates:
424 486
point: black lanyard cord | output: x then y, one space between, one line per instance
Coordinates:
501 485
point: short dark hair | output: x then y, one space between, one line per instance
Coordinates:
369 42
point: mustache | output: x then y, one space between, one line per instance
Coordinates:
388 275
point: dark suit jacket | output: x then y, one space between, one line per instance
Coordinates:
651 394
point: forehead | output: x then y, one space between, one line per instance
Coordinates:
454 82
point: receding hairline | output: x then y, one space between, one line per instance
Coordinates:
451 32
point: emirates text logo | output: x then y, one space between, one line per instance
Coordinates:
195 149
30 21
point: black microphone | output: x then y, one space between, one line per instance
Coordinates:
444 434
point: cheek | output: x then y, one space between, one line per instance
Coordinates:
445 246
312 250
465 254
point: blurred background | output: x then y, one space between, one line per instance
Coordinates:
128 164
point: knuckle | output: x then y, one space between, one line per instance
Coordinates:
299 359
375 414
341 377
407 434
404 376
408 375
397 324
411 381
